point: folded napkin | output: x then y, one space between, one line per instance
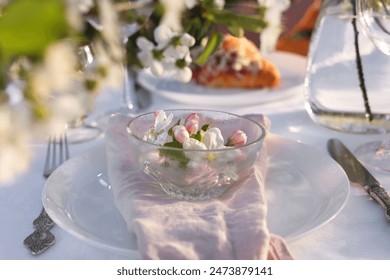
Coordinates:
232 226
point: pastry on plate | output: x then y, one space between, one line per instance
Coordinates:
237 64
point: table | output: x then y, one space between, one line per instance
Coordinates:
360 231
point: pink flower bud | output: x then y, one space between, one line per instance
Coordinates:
156 113
237 139
192 123
180 133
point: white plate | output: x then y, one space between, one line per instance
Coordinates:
291 66
305 189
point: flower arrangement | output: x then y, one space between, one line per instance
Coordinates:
188 137
42 84
195 155
179 34
186 134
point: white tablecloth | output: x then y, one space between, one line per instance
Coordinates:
360 231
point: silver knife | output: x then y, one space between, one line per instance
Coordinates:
358 174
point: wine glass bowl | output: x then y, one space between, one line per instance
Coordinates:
374 17
78 130
131 14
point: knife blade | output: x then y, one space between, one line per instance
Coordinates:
358 174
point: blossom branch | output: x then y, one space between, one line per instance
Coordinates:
359 66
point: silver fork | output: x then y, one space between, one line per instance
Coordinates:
41 239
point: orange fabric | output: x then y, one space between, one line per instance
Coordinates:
297 40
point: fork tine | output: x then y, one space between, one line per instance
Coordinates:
66 147
47 155
62 150
61 144
56 154
48 160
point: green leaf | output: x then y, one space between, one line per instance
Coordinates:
254 23
27 27
205 127
174 144
199 135
175 155
212 44
236 31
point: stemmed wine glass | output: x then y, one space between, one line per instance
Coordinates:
374 18
128 27
80 130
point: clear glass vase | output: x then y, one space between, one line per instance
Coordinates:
335 96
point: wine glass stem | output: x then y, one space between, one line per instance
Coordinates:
129 93
384 148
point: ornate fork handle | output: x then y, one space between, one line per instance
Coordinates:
39 241
43 222
42 239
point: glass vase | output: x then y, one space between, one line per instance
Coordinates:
348 79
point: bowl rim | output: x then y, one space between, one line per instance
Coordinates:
230 148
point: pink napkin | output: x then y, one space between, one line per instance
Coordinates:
232 226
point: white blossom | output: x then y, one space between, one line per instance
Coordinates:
146 56
111 32
172 53
273 15
84 5
15 153
193 144
213 139
144 43
163 35
161 120
187 40
173 10
159 132
190 3
183 74
114 69
220 4
74 10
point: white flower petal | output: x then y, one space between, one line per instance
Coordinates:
146 58
173 11
183 75
273 14
156 68
187 40
219 4
213 139
162 121
268 38
190 3
144 44
163 34
193 144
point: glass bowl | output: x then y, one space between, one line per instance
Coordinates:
192 173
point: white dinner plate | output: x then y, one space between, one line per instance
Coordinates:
305 189
291 66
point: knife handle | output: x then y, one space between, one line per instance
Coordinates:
379 194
